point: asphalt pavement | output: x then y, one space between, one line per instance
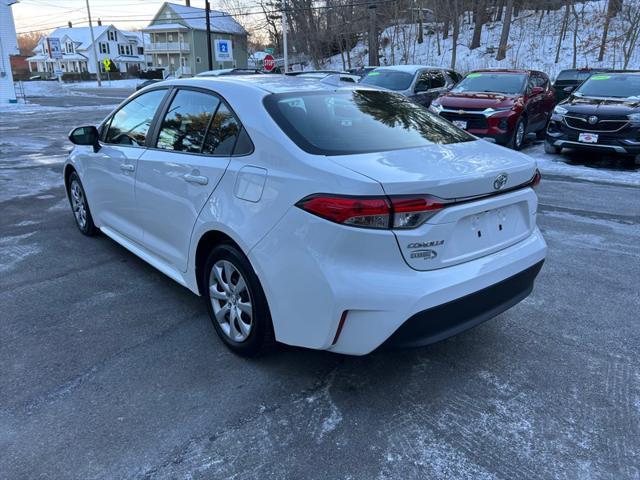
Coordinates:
108 369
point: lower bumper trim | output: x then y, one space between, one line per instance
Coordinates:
446 320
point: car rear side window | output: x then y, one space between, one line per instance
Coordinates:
358 121
130 125
185 124
223 132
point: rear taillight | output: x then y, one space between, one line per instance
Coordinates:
397 212
536 179
411 212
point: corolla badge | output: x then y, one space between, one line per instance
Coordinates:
500 181
592 120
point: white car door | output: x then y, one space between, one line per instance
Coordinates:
177 175
111 172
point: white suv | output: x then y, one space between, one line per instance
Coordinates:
328 217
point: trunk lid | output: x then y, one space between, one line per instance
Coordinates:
451 171
464 231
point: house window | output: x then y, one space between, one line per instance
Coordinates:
140 51
198 60
104 47
69 47
111 35
129 50
169 37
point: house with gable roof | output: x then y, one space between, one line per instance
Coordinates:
125 49
178 40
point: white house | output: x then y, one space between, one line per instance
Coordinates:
8 46
125 49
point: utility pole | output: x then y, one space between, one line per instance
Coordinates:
373 36
93 44
284 36
207 9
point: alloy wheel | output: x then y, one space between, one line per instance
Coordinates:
520 134
231 300
78 204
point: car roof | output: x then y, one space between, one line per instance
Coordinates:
409 68
265 83
505 70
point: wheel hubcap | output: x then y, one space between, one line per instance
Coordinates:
231 301
520 134
78 204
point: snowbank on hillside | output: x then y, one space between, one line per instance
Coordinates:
532 43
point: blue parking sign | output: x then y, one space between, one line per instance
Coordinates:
223 50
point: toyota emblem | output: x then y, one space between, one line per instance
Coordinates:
592 120
500 181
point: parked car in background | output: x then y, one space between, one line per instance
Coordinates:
361 71
146 83
306 72
503 105
568 80
229 71
343 77
602 114
324 217
417 82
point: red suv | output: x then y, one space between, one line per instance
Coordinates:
501 104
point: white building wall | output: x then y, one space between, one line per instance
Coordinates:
8 46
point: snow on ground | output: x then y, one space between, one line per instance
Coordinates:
566 165
532 43
53 88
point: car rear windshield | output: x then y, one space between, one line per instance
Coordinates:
358 121
611 85
573 75
494 82
393 80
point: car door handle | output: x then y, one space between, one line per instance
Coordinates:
127 167
199 179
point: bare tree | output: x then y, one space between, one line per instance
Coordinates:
479 17
506 27
563 29
613 7
632 15
455 34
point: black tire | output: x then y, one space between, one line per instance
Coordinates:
515 142
261 338
80 206
548 148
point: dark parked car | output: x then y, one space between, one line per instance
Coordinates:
568 80
306 72
146 83
421 84
503 105
602 114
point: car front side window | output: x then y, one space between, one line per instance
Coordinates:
130 125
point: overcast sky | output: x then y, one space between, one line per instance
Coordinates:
30 15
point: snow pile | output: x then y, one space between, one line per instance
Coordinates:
533 40
53 88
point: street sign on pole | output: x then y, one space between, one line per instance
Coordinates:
224 50
55 53
269 63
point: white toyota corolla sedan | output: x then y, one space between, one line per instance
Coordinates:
336 218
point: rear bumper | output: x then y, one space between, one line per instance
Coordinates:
327 270
451 318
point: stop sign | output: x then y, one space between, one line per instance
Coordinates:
269 62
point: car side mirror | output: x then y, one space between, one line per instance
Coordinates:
536 91
569 89
86 136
